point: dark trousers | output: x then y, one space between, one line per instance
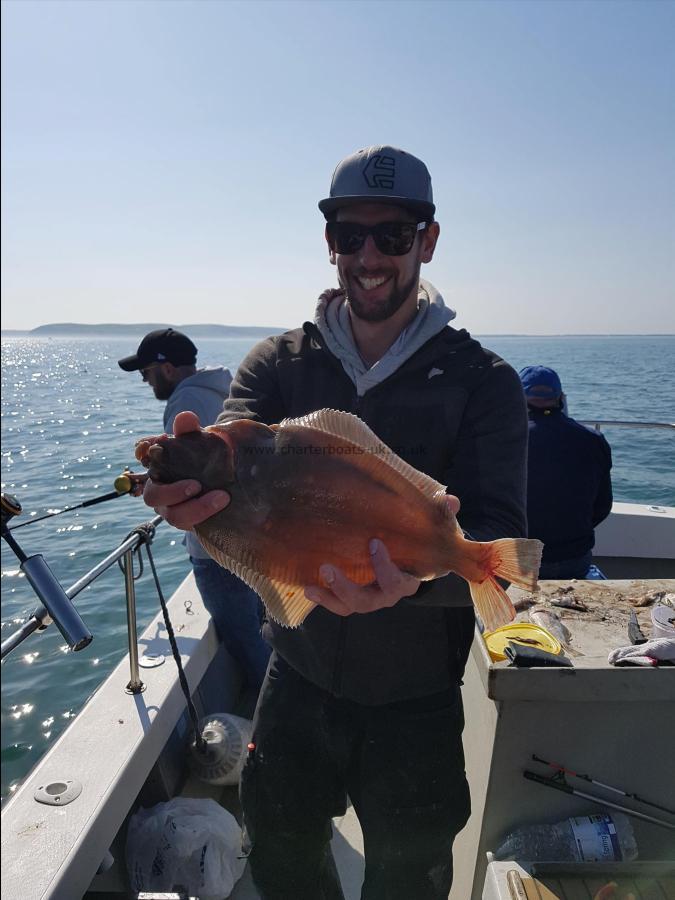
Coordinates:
237 613
402 766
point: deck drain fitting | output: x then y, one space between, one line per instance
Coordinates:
151 660
58 793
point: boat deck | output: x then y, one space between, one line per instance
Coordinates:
596 718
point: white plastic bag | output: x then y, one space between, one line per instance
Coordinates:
188 844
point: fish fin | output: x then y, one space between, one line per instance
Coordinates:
492 603
517 560
286 603
351 428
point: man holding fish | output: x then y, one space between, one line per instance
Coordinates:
338 515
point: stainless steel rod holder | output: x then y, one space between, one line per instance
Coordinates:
41 618
56 601
135 685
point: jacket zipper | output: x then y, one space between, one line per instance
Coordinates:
358 407
336 684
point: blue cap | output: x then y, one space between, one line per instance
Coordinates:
540 383
381 174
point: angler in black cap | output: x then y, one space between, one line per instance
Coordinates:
363 700
157 347
166 358
167 361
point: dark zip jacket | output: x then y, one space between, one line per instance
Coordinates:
452 410
569 484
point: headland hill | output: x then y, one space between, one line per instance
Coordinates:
139 329
206 331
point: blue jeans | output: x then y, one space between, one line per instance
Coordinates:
566 568
237 614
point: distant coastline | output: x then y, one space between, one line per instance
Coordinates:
205 331
139 329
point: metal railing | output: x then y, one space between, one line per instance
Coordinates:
41 617
599 424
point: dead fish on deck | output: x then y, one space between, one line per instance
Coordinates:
551 621
648 598
568 601
520 604
315 490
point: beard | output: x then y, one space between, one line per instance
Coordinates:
163 388
386 308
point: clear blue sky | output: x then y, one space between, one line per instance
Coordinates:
163 160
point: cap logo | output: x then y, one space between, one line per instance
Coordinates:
161 356
379 171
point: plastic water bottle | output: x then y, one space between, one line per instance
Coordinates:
601 838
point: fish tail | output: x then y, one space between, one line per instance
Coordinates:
492 603
517 560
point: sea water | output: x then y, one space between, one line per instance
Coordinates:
70 418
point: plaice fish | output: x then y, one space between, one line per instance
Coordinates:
315 490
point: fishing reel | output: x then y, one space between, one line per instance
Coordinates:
130 482
9 507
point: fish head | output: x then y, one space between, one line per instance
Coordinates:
206 456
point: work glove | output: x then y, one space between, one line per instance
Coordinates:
647 654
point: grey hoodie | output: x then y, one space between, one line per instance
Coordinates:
203 393
332 320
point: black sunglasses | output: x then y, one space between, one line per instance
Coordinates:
391 238
144 371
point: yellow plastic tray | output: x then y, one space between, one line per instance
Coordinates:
521 633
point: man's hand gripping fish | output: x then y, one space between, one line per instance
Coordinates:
315 490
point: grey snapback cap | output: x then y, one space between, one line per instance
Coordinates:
381 175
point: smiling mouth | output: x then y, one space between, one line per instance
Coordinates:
369 284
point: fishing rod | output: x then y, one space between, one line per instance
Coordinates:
559 784
607 787
126 483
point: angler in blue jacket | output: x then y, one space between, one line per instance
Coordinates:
569 487
166 360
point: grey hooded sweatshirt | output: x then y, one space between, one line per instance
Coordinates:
204 394
332 320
